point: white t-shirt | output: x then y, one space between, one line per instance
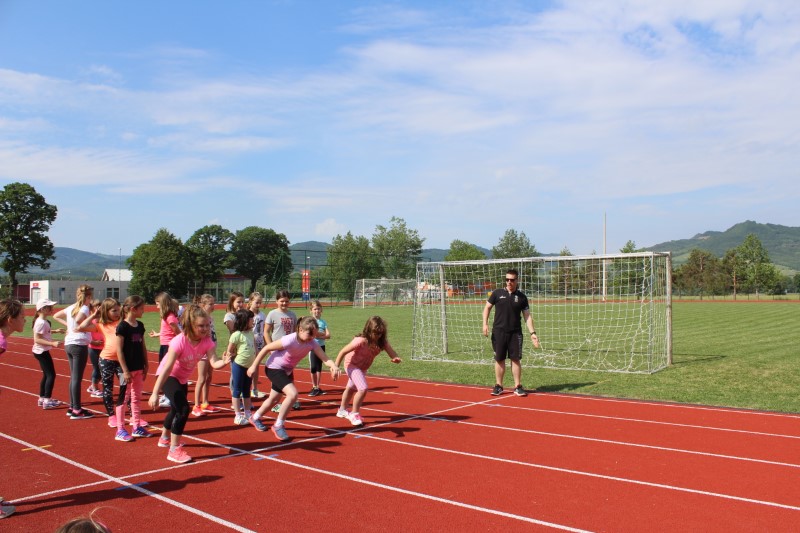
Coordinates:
79 338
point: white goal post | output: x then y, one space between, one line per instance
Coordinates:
600 312
375 292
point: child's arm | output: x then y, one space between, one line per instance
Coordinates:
60 316
38 339
324 334
146 366
347 349
391 353
215 362
154 333
121 358
319 352
85 322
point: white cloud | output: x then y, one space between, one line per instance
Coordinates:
329 228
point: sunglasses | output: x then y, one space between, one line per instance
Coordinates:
513 280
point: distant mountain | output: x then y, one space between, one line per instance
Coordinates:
782 243
309 254
72 263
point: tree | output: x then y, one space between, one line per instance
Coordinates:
733 268
512 245
630 248
399 248
702 273
463 251
163 264
755 259
25 218
562 277
210 247
350 259
262 253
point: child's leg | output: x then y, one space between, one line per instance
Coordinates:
123 393
238 373
108 370
77 356
48 374
201 382
271 400
94 357
359 379
135 393
290 395
346 395
179 409
206 388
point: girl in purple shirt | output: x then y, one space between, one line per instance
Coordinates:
286 353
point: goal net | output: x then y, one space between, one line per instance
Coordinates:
374 292
601 312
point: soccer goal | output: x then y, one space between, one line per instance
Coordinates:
601 312
375 292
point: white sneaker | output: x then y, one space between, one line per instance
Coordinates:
342 413
355 419
164 402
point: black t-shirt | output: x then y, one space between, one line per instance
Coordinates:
508 310
132 342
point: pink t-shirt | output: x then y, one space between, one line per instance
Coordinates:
167 334
291 354
3 342
188 356
362 355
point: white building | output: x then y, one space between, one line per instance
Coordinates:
113 285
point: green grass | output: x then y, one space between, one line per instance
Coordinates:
738 355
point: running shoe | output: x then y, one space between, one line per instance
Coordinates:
112 421
237 420
255 393
519 391
355 419
80 414
342 413
91 388
97 393
209 409
280 433
6 510
163 442
296 405
123 436
177 455
141 432
276 408
315 392
197 411
257 423
41 401
51 403
497 390
244 420
163 402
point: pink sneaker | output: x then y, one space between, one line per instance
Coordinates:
355 419
177 455
112 421
163 443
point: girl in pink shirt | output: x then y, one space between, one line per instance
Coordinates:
185 350
358 357
286 353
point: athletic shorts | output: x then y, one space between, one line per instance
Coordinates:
507 345
279 379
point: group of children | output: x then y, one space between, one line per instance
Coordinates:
188 341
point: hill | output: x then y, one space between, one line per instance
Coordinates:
72 263
782 243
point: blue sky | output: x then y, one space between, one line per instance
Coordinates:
464 118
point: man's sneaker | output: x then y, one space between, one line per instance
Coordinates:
163 442
163 401
257 423
519 391
123 436
177 455
280 433
51 403
209 409
197 411
112 421
497 390
276 408
258 395
296 405
355 419
315 392
342 413
141 432
80 415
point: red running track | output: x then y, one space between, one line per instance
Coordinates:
431 457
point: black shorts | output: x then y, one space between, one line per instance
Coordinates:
279 379
507 345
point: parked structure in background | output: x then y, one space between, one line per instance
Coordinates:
113 284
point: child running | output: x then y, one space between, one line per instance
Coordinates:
280 322
259 319
132 351
185 350
42 342
241 348
168 309
358 357
286 353
314 364
204 370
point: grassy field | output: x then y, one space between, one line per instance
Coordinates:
726 354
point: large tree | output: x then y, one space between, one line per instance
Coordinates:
399 248
262 253
463 251
351 258
210 247
163 264
513 245
758 270
702 273
25 218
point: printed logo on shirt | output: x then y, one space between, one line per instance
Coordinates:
286 324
